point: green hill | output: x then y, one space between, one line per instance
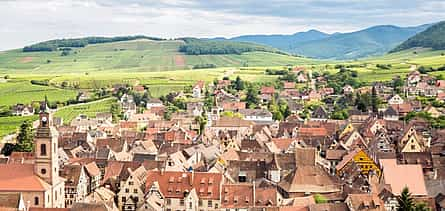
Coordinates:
433 37
139 55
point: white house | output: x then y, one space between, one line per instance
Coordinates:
395 100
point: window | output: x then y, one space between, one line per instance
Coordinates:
169 201
130 183
200 202
43 171
124 199
209 203
43 149
36 200
181 202
413 147
190 205
135 191
127 190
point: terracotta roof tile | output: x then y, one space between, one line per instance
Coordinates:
20 177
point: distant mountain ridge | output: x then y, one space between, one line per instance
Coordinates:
371 41
433 37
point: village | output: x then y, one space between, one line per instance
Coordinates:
308 141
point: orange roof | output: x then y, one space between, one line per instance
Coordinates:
233 105
267 90
289 85
282 143
174 184
20 177
237 196
312 131
395 175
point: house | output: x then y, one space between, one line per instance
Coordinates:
302 78
413 77
154 102
198 89
76 184
360 158
139 88
395 100
195 108
394 179
348 90
186 190
233 105
288 85
365 201
22 110
411 141
320 114
256 115
391 114
39 183
83 96
308 178
132 187
267 93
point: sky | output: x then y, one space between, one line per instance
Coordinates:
29 21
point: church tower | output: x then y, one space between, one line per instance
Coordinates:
46 165
45 141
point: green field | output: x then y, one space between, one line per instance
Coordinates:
68 113
131 56
9 125
22 91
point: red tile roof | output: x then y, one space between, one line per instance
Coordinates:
237 196
175 184
20 177
267 90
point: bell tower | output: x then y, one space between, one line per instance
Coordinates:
45 142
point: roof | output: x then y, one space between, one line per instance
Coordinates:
312 131
20 177
334 154
232 122
307 178
395 176
267 90
305 156
255 112
237 196
366 202
175 184
72 174
348 157
92 169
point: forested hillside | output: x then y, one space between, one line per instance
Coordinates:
195 46
433 37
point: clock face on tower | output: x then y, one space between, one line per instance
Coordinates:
44 119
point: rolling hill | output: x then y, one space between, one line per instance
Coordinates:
433 37
372 41
140 55
283 42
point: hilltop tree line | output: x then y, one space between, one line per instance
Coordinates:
195 46
66 44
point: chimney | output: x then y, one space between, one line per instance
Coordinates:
162 171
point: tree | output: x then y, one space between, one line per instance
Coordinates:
115 111
405 201
374 100
8 148
24 138
202 122
239 84
252 97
